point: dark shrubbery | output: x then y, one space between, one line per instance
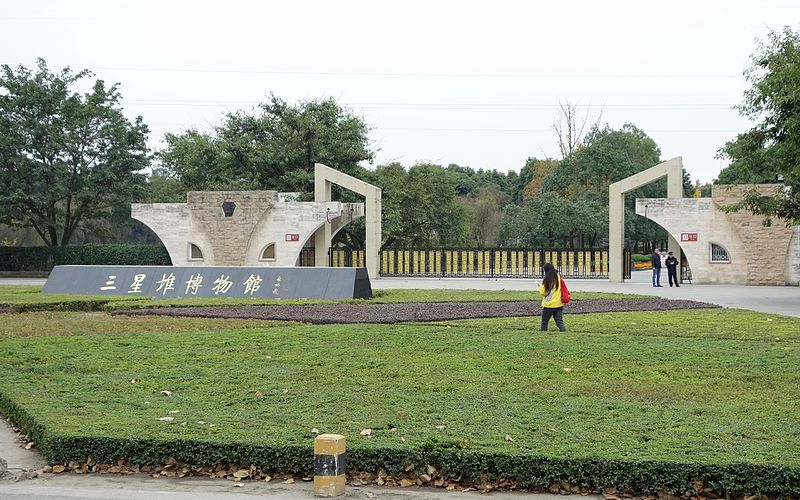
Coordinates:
44 258
453 463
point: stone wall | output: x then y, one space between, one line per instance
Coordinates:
257 219
229 236
699 216
759 255
765 248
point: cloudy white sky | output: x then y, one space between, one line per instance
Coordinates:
476 83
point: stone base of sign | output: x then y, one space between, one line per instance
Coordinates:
169 282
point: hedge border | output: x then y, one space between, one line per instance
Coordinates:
43 258
454 462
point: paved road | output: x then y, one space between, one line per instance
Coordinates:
114 487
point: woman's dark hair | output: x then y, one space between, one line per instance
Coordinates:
550 277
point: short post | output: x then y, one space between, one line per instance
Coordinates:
329 478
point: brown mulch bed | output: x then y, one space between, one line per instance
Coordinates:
412 312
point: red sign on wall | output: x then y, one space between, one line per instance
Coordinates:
292 237
688 236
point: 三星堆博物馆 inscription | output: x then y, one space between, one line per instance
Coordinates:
240 282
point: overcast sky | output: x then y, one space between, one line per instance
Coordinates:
476 83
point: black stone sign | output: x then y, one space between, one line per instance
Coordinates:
170 282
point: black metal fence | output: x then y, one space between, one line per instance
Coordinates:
492 263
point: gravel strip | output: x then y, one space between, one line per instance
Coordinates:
412 312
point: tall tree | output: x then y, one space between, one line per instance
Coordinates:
539 171
570 127
566 202
420 209
273 149
770 150
484 209
66 158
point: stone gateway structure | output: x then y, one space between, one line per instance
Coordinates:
255 228
733 248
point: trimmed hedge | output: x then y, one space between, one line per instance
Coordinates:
44 258
452 460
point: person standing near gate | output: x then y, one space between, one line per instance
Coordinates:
656 268
552 305
672 268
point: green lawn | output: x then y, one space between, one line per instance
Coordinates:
26 298
708 391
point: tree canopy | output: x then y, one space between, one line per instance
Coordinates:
273 149
770 150
66 158
565 203
420 207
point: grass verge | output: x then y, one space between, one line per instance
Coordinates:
629 400
24 298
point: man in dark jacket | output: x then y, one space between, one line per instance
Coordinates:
672 268
656 268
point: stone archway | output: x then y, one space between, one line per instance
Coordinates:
673 171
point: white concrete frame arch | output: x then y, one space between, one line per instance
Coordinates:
673 171
324 177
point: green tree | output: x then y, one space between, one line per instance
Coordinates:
484 212
274 149
582 180
66 158
163 187
771 148
420 207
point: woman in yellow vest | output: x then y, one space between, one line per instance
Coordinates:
552 306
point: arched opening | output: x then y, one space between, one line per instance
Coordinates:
195 253
719 254
268 253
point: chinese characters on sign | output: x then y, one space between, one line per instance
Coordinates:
292 237
173 282
688 236
162 286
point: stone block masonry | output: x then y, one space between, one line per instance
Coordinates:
758 254
234 228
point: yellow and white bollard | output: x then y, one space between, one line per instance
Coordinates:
329 477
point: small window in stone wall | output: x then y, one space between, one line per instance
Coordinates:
269 252
719 254
194 252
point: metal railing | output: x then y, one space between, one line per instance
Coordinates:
491 263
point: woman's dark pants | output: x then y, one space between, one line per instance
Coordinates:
556 313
